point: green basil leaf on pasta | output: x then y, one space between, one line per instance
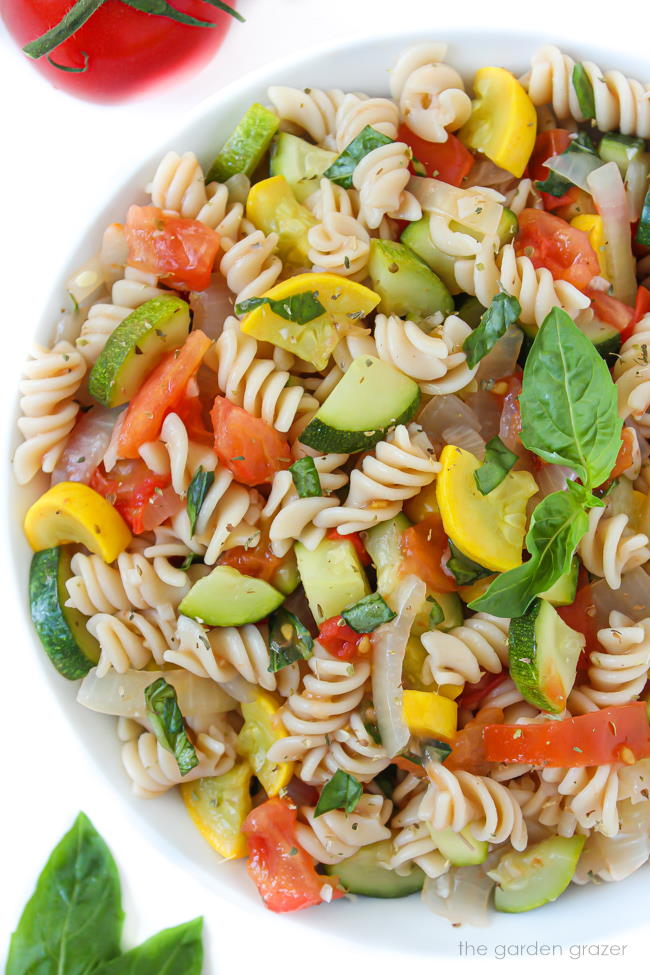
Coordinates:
199 487
289 640
167 724
504 310
464 570
342 791
386 780
554 185
498 462
73 921
568 402
299 309
643 229
369 613
435 750
436 613
305 478
344 166
584 91
174 951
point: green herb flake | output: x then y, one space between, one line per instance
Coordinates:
436 613
503 312
464 570
289 640
498 462
436 750
342 791
199 487
369 613
344 166
305 478
167 724
299 309
584 91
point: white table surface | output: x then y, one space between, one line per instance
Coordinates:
59 158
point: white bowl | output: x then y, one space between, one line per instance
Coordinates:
583 914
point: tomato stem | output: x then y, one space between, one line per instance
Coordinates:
63 67
75 18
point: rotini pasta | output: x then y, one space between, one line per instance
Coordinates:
381 179
434 359
337 835
619 672
431 94
464 653
610 548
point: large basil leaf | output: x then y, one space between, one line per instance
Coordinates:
557 525
174 951
73 921
568 402
168 725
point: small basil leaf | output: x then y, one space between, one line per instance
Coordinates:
412 757
305 478
174 951
190 560
199 487
167 724
435 750
289 640
557 525
73 921
504 310
369 613
300 309
436 613
344 166
584 91
387 780
498 462
342 791
554 185
568 402
464 570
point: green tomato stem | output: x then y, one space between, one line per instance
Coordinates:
75 18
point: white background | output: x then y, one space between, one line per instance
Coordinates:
60 158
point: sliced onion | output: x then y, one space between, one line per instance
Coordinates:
466 438
636 185
551 478
606 186
575 167
474 208
86 446
389 646
443 412
461 895
211 307
633 598
199 698
86 283
501 360
613 858
486 173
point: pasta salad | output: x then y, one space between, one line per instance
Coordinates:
345 469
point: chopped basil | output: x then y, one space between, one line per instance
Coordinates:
643 230
342 791
190 560
435 750
499 460
554 185
369 613
557 185
464 570
300 309
199 487
342 168
289 640
584 91
306 479
436 613
387 780
504 310
167 724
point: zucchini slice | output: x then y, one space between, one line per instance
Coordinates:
246 145
229 598
364 873
538 875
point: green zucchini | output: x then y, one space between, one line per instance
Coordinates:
364 873
332 576
301 163
543 654
563 592
538 875
227 597
621 149
245 147
407 286
461 849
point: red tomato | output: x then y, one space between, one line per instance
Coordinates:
258 561
625 457
612 311
160 393
618 734
249 447
468 748
179 251
423 547
128 52
143 499
339 639
553 142
449 161
190 411
282 871
552 243
641 309
581 615
473 694
355 538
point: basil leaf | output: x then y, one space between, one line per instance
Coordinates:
436 613
289 640
174 951
344 166
387 780
190 560
369 613
199 487
584 91
554 185
167 724
557 525
300 309
73 920
464 570
342 791
305 478
643 230
435 750
568 402
499 460
504 310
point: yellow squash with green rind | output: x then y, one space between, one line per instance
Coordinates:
273 208
503 123
218 807
73 513
262 728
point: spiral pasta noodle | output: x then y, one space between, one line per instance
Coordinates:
566 799
619 672
351 749
95 587
465 652
337 835
174 454
435 360
355 112
431 94
312 110
632 375
130 640
381 178
339 244
251 266
610 548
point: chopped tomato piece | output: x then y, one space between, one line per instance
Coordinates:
423 548
580 615
161 392
468 748
553 142
625 457
145 500
179 251
473 694
248 446
641 309
355 538
258 561
282 871
406 765
339 639
449 161
617 734
553 243
190 411
612 311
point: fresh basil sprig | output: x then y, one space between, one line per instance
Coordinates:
495 321
196 492
300 309
498 462
342 791
344 166
167 724
369 613
584 91
306 479
289 640
464 570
